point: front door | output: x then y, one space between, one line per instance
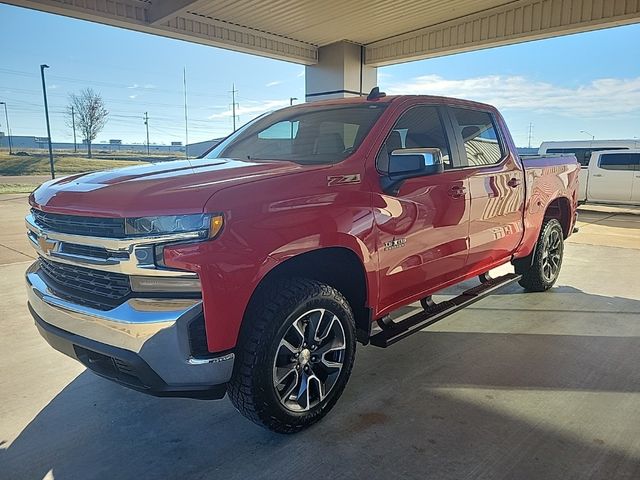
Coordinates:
422 231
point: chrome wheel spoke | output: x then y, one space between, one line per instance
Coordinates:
288 389
282 373
330 346
303 392
315 321
298 331
287 346
309 392
324 326
331 365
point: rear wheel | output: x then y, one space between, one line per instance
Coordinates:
547 259
295 355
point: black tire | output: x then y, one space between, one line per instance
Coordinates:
268 323
547 259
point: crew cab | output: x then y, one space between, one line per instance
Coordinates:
611 176
255 270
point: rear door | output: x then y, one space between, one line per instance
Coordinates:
611 177
496 186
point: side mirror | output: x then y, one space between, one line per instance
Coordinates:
410 163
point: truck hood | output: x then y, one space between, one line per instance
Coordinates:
166 188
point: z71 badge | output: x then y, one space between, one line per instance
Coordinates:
395 243
343 179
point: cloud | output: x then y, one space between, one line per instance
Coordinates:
600 97
135 85
133 96
52 87
252 110
301 74
274 83
149 86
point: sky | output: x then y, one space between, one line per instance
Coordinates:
586 82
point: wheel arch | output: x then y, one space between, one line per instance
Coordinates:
339 267
560 209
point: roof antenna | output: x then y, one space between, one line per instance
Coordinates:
375 94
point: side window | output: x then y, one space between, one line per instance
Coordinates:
583 155
280 131
620 161
418 127
479 135
276 140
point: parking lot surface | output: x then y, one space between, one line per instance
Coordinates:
542 385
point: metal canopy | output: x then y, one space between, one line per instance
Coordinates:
392 31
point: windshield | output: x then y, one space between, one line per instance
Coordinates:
313 135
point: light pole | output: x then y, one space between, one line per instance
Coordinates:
593 137
146 122
46 114
6 116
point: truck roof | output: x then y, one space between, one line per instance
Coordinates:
396 98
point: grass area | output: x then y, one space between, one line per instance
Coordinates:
16 188
67 163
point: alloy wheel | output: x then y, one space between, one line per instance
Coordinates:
552 255
309 359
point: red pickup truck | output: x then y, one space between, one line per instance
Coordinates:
254 270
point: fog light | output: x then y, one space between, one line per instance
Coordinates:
165 284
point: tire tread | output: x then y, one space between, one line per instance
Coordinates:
532 279
264 316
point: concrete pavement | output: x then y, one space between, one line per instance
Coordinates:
610 226
517 386
14 246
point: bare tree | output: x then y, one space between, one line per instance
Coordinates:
91 116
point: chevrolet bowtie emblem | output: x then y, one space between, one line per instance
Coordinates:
46 245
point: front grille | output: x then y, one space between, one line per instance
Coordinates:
80 225
85 286
99 253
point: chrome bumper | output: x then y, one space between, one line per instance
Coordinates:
153 329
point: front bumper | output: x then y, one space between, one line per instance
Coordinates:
142 343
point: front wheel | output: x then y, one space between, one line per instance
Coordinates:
547 259
295 355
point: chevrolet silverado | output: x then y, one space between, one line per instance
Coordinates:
254 270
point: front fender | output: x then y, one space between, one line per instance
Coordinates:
256 238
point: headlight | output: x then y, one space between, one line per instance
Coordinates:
206 225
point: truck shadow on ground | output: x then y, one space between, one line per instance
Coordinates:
438 405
